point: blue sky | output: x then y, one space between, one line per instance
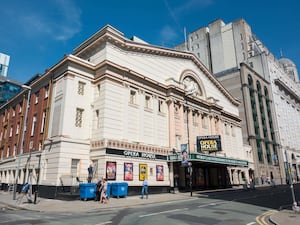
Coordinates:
37 33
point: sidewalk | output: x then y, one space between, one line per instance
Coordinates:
285 217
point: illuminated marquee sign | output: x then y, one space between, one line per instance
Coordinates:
209 143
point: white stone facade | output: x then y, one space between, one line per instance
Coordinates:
118 101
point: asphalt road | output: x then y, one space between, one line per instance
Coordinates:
236 207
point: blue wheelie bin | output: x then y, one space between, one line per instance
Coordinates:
108 192
87 191
119 189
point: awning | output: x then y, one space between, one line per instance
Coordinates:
198 157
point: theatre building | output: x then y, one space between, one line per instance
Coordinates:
129 109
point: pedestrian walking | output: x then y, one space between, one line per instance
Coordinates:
99 189
104 198
145 188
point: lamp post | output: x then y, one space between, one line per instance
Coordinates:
22 140
295 207
36 192
190 169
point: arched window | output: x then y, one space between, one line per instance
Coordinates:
250 81
266 92
258 86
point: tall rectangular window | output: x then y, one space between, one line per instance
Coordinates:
18 128
97 119
10 131
43 121
75 167
15 150
81 88
78 119
98 89
34 120
148 102
161 106
132 99
46 92
36 98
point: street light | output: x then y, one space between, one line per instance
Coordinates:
36 192
22 139
295 207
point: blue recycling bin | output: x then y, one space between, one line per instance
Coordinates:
87 191
108 190
119 189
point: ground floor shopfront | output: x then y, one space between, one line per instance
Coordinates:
164 172
208 172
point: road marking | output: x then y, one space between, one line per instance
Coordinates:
261 219
107 222
251 223
163 212
210 204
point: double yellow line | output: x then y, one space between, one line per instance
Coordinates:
262 219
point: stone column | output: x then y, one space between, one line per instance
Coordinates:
190 126
212 125
172 135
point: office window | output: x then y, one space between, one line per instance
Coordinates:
132 99
75 167
15 150
36 98
195 118
161 106
233 132
34 120
226 129
204 122
98 89
78 119
18 128
97 118
10 131
148 102
43 122
46 92
81 88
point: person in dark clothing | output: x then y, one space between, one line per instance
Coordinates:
99 189
90 173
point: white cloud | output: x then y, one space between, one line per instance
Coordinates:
56 19
71 23
192 4
168 35
177 11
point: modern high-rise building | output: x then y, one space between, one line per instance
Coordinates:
4 63
8 89
132 111
267 87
